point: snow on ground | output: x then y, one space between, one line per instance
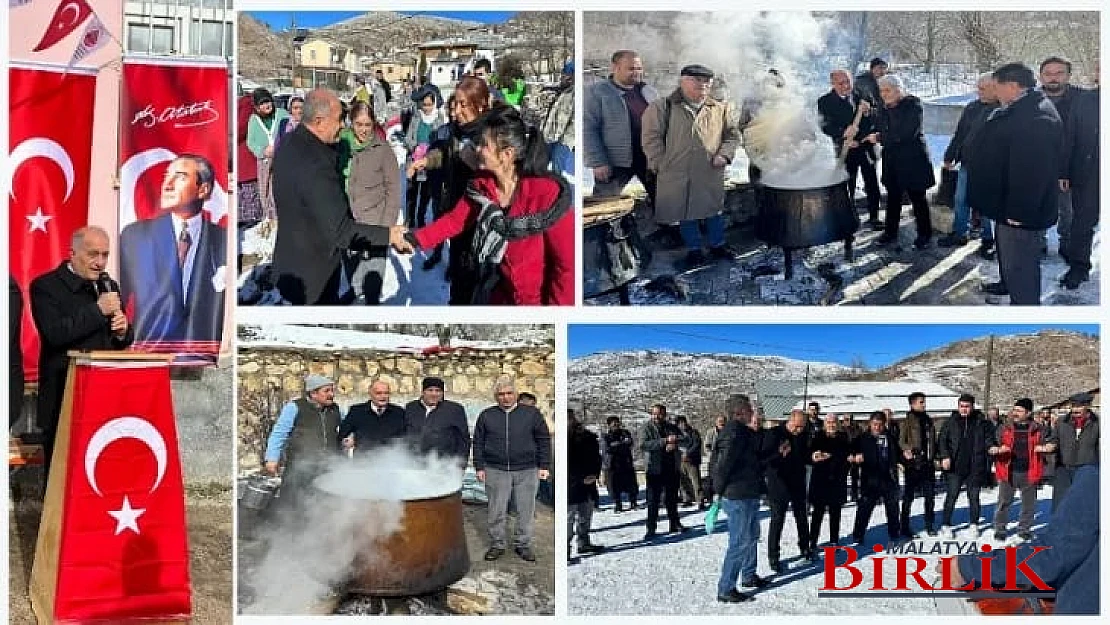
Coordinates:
677 574
310 337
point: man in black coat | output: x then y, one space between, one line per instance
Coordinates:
375 423
958 151
1081 176
853 431
867 86
962 451
907 169
1014 180
690 473
827 482
1054 76
620 472
70 314
15 351
437 425
877 453
315 224
838 109
583 467
786 450
738 478
660 442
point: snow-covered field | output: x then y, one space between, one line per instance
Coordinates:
677 573
311 337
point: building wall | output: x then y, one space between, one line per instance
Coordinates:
270 377
316 53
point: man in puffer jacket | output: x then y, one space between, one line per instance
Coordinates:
512 452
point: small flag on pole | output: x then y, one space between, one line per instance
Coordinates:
96 37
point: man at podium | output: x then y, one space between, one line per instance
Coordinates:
74 308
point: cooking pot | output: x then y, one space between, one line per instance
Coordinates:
805 217
426 554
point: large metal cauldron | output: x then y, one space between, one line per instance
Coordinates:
428 553
613 255
799 218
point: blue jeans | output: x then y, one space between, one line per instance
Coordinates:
743 539
714 230
963 210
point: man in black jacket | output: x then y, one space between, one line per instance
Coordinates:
375 423
437 425
838 109
918 442
70 314
1075 441
971 121
620 472
962 451
738 479
512 452
867 85
786 449
690 472
827 483
1081 176
583 467
315 224
1055 78
15 351
1014 170
877 453
660 442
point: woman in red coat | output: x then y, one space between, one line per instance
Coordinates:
523 226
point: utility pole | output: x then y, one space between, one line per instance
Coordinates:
805 389
990 363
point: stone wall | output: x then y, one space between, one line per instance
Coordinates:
270 376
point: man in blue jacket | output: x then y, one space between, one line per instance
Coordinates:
1069 565
512 452
1013 178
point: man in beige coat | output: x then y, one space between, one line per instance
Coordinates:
689 138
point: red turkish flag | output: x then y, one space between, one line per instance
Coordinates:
50 137
123 549
67 17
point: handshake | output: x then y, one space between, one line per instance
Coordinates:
398 240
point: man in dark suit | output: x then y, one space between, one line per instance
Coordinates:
838 109
315 224
70 314
375 423
435 424
172 267
877 453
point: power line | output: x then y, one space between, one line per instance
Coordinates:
766 345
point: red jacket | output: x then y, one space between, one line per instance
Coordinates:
1036 464
247 168
536 270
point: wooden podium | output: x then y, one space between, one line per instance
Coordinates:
45 570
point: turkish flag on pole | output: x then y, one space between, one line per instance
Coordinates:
50 137
67 17
123 548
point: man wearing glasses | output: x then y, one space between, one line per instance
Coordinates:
1075 440
689 138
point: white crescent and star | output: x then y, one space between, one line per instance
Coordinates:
76 14
38 220
114 430
46 148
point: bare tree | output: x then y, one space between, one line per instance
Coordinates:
922 37
974 29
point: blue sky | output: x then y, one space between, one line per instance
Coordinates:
279 20
877 345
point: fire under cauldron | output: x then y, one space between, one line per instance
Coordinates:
800 218
428 552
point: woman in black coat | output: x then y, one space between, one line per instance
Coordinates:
906 165
828 479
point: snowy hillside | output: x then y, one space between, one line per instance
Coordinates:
312 337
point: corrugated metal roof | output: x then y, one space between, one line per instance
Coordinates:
778 397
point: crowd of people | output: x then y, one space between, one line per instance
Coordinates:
1024 158
813 466
469 173
510 447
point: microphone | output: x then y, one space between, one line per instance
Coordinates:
105 284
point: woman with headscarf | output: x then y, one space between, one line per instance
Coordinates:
906 165
421 129
246 179
288 124
523 242
450 162
261 136
370 173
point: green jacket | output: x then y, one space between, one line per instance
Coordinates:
257 135
515 94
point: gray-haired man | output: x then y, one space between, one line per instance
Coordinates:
512 452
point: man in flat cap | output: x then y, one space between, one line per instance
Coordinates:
435 424
1075 441
689 138
306 433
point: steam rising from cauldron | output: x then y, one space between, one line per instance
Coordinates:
311 549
